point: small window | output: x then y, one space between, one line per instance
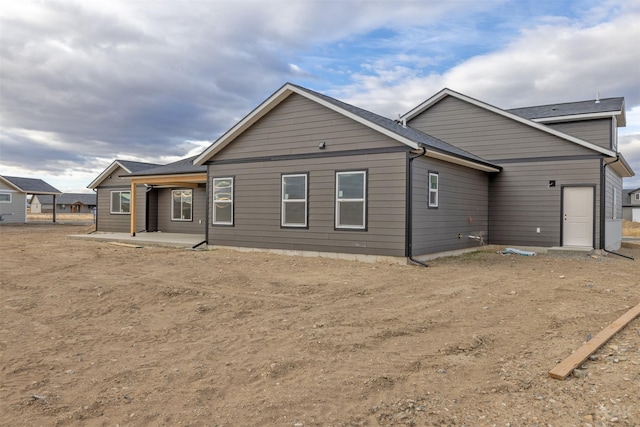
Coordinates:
351 192
182 205
120 202
294 200
223 201
637 196
433 189
5 197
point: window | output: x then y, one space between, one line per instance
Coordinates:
120 202
351 191
433 189
223 201
5 197
294 200
181 205
637 196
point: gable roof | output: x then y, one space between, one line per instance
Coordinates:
181 167
448 92
391 128
69 199
592 109
29 185
127 165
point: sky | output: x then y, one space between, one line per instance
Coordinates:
83 83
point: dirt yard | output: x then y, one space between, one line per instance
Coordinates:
95 334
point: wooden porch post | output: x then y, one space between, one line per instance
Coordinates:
132 208
54 208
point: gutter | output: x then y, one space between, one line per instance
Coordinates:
409 249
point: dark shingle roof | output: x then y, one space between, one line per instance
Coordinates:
137 166
180 167
69 199
570 108
32 185
420 138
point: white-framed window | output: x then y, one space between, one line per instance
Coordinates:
637 196
351 200
434 183
121 202
5 197
294 200
181 205
223 201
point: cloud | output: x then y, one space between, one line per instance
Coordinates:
86 82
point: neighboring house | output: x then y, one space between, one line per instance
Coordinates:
65 203
13 196
169 198
306 172
631 205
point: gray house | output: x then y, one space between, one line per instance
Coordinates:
13 196
135 196
306 173
631 204
65 203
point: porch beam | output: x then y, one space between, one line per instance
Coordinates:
172 179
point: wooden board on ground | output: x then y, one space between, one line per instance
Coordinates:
126 245
564 368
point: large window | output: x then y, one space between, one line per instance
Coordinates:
351 200
294 200
223 201
5 197
120 202
433 189
182 205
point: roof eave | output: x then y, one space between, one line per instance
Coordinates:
458 160
619 115
620 165
108 171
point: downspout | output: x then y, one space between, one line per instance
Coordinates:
603 184
410 209
95 212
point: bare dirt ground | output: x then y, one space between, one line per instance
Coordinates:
94 334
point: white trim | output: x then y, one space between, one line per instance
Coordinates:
436 190
181 190
229 201
120 211
448 92
10 194
340 200
108 171
285 200
576 117
458 161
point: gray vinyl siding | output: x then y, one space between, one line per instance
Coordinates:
490 135
106 221
463 207
16 211
521 200
196 226
257 200
296 126
595 131
612 212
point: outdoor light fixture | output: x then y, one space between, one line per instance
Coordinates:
322 145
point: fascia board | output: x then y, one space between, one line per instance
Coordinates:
459 161
530 123
108 171
620 165
11 184
576 117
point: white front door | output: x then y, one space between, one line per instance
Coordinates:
577 216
